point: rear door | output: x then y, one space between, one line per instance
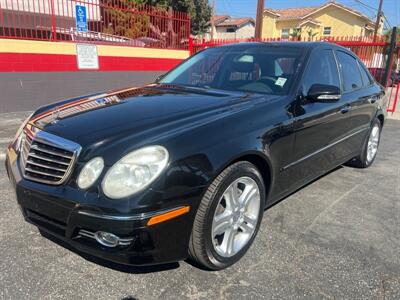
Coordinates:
362 94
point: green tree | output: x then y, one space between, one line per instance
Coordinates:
311 34
199 11
124 22
200 16
388 34
296 33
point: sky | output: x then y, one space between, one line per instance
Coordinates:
247 8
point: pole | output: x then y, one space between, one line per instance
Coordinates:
212 19
259 18
53 21
378 19
390 57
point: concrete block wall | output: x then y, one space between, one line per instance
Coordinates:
35 73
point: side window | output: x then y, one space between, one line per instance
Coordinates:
322 69
367 80
350 71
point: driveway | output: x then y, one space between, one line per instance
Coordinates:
338 237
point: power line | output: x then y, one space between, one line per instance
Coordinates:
367 6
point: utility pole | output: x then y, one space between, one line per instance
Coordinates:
390 57
212 19
378 19
259 18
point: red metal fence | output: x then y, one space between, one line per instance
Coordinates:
117 22
374 54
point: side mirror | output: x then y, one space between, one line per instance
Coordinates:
159 78
324 93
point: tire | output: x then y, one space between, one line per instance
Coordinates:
364 160
213 250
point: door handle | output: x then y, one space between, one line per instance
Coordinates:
370 99
345 109
373 99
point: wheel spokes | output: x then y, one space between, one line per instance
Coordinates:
222 223
229 241
231 195
247 195
373 142
248 223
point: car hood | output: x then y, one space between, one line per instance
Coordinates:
155 108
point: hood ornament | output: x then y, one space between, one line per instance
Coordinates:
55 115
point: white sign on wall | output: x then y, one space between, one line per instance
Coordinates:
86 57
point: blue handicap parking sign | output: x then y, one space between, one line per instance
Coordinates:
81 18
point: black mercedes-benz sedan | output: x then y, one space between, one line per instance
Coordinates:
186 166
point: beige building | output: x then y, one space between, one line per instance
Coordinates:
329 20
226 27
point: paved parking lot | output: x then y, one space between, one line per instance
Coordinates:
339 237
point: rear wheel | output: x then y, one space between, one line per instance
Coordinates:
228 217
370 147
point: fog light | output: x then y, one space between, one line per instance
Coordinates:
106 239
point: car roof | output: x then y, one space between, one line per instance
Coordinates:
307 45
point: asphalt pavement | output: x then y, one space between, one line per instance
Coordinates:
337 238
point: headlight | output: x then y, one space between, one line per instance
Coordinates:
90 172
18 134
135 171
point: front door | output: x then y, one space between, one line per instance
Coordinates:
318 126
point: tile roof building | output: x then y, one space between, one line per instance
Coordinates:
226 27
331 19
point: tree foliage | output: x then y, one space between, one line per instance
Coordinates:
124 22
311 34
296 33
140 24
199 11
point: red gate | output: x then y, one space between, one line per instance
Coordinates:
374 53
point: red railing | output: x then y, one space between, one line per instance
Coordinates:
117 22
372 52
346 41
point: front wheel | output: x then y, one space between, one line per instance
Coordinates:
370 147
228 217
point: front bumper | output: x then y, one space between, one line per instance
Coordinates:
65 213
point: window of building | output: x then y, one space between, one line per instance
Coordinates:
285 33
351 75
327 30
230 29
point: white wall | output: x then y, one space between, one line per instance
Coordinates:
244 32
62 8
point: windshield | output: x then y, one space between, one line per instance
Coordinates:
257 69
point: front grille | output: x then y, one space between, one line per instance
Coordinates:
45 157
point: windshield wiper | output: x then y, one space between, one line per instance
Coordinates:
185 86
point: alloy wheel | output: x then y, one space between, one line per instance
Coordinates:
373 143
236 216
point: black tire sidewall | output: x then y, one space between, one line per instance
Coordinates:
215 259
